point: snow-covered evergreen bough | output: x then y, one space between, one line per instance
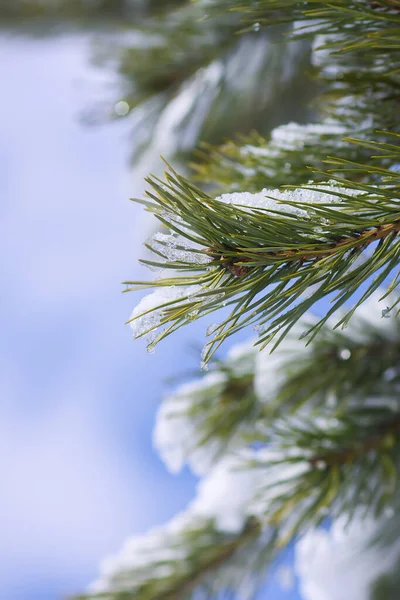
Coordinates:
296 433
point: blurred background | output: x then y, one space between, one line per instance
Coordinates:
94 91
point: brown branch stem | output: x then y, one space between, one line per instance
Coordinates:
360 239
349 454
394 3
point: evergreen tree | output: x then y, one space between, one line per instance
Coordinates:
300 427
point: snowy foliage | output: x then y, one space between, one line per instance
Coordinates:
175 435
166 549
287 440
197 423
207 417
178 250
292 203
294 136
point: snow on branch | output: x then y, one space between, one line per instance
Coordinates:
271 255
253 502
174 560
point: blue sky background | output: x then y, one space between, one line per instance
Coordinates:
78 396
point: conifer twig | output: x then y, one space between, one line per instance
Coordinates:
360 239
375 442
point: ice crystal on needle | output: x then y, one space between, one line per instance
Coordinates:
179 249
147 316
276 200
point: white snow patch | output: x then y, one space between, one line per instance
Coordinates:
342 562
226 493
271 369
275 200
294 136
175 435
147 315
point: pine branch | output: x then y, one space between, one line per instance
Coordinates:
236 403
354 14
326 445
264 259
287 158
180 586
205 551
326 460
339 369
359 240
359 95
331 475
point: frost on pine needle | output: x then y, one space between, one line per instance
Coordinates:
179 249
292 203
236 249
147 316
285 158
